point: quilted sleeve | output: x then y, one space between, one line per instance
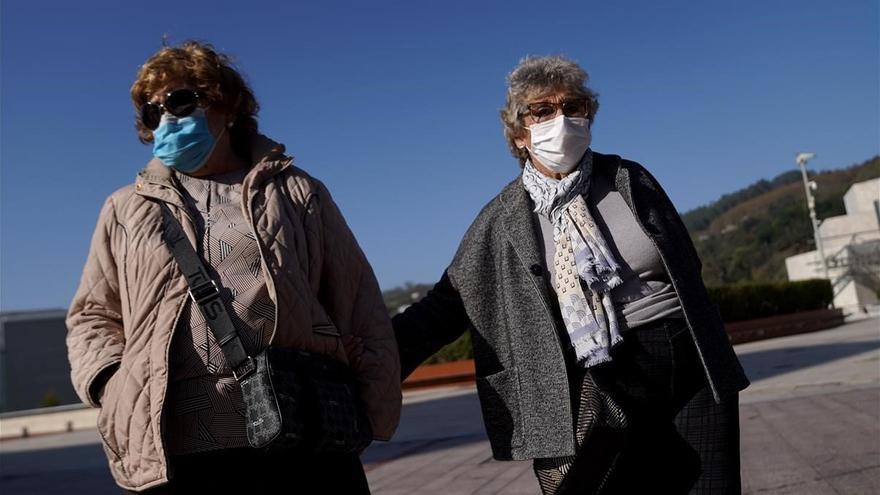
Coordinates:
351 295
95 338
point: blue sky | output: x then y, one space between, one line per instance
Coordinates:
394 105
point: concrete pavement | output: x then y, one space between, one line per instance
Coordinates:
811 419
810 425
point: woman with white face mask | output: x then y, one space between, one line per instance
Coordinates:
145 342
598 353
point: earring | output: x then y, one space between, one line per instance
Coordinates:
229 125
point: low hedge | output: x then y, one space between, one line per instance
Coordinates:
736 303
751 301
459 350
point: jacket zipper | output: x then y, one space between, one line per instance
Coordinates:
249 211
162 418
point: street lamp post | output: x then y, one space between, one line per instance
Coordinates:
809 186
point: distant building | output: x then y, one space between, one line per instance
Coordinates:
34 370
852 249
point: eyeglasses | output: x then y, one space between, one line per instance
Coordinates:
543 111
180 103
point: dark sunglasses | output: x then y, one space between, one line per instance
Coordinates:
180 103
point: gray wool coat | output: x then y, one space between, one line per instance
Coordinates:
498 287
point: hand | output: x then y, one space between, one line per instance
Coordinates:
96 390
354 349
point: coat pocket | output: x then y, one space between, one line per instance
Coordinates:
499 400
107 414
326 329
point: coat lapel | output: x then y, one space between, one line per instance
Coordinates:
157 181
521 231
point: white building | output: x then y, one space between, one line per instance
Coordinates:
852 249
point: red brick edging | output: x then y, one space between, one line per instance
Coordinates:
433 375
780 326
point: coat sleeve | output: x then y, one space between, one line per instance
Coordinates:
95 337
426 326
378 370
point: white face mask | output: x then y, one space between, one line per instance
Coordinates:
560 143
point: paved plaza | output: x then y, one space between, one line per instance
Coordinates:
810 425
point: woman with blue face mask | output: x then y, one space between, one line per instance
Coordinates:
286 267
598 353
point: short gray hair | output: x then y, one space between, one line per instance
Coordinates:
535 76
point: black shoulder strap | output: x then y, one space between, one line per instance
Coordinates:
205 293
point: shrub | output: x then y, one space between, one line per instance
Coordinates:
747 302
50 399
459 350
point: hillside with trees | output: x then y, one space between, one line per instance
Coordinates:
745 236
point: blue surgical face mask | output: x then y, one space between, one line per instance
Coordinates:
184 143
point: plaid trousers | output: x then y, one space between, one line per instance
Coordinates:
647 423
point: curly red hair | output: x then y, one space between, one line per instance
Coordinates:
199 66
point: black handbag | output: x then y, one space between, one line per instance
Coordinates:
294 399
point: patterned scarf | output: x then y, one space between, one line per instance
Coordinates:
582 261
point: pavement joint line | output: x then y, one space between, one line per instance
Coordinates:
491 480
415 447
419 444
459 468
418 466
438 393
771 394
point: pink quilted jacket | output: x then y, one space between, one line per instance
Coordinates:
132 293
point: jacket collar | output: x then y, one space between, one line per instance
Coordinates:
519 223
519 226
157 181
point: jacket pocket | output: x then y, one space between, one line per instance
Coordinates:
326 329
499 400
326 339
108 412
